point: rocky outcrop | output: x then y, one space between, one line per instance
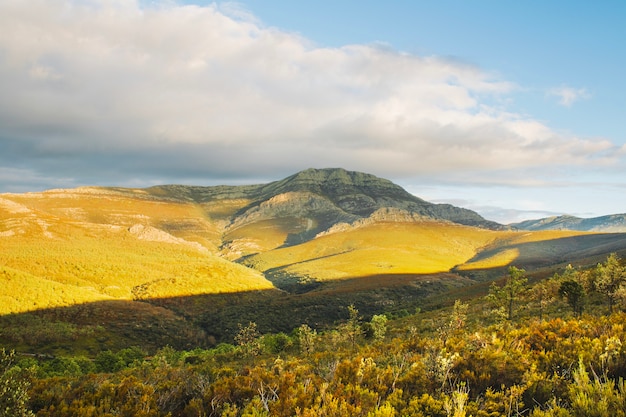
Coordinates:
153 234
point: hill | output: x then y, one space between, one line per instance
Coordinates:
206 259
300 207
614 223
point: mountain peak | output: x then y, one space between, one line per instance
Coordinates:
338 184
350 195
336 175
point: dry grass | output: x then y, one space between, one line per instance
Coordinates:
63 249
543 247
381 248
66 247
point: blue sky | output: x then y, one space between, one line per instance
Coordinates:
513 109
539 45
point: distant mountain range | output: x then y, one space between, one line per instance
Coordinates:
614 223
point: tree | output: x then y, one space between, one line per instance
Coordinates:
507 295
575 294
543 293
14 383
107 361
379 326
248 339
351 330
306 339
455 322
610 279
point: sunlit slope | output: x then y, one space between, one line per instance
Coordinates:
49 259
21 291
261 236
545 248
427 247
380 248
125 208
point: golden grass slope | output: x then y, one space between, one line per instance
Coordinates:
429 247
22 291
380 248
123 208
59 249
545 248
66 247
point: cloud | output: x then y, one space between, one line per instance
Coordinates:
120 93
567 96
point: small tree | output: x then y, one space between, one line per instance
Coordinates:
14 383
107 361
507 295
378 325
610 277
455 322
575 294
306 339
351 330
544 293
248 339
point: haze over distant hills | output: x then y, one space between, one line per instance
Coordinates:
191 259
614 223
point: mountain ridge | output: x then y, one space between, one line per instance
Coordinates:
612 223
354 195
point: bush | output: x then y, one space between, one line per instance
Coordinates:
108 361
14 384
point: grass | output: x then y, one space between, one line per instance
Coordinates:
70 249
73 254
260 236
22 291
544 248
380 248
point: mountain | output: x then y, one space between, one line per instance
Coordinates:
614 223
187 264
331 195
300 207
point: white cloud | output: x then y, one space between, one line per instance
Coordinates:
113 90
567 96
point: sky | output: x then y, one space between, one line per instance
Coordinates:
513 109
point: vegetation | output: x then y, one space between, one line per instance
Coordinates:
462 360
507 296
197 301
14 386
610 279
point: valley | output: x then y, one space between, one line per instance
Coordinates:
215 257
327 293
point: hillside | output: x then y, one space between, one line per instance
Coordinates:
214 257
614 223
298 208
